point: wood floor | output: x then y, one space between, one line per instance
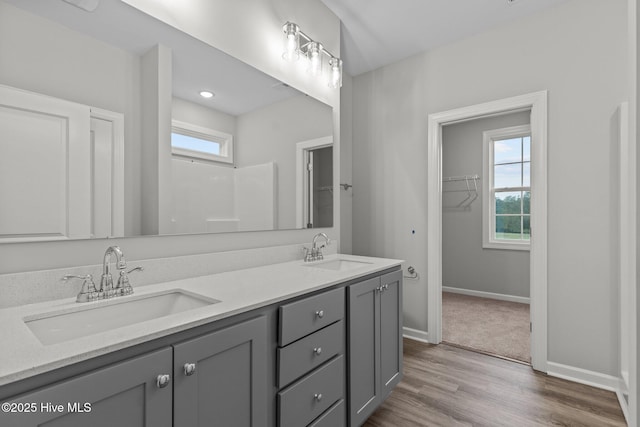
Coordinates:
449 386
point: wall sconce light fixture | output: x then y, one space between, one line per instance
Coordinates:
296 44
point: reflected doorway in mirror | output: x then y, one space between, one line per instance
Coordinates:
314 183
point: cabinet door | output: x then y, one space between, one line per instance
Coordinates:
390 331
229 385
123 395
364 350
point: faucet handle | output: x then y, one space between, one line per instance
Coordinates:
87 286
138 268
124 286
88 291
73 276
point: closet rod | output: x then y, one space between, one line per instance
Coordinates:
460 178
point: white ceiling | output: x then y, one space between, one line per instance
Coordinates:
379 32
197 66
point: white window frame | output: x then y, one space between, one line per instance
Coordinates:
488 194
224 139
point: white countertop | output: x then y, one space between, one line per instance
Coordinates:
22 355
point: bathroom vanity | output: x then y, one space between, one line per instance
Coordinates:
289 344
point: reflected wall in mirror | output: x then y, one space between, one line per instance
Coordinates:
103 131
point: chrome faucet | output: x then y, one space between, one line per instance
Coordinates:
106 282
90 292
315 254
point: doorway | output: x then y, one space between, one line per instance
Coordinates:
314 183
537 104
486 234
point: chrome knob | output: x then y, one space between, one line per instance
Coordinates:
386 287
163 380
317 351
189 369
318 396
320 314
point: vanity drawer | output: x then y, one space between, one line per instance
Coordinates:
334 417
303 317
306 354
306 399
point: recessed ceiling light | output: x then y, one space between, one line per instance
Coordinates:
206 94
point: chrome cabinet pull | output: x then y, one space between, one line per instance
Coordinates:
318 396
189 369
163 380
317 351
320 314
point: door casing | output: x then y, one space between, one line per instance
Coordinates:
537 103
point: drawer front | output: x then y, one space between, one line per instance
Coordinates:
308 398
334 417
306 354
303 317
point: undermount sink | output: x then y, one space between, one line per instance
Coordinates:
339 264
56 327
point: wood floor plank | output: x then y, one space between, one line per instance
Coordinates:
449 386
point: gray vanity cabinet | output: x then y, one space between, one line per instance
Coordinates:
375 343
220 379
311 361
125 394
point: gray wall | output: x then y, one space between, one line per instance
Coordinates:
465 263
346 164
578 52
634 89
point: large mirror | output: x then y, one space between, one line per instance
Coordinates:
115 124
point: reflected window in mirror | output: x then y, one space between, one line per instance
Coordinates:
197 142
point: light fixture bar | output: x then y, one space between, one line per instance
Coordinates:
296 42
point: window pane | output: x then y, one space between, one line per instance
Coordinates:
508 227
508 203
526 148
194 144
507 151
526 174
526 203
526 225
507 176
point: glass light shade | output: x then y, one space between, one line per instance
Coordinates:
314 54
291 42
335 75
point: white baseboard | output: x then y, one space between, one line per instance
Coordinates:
623 405
583 376
481 294
415 334
594 379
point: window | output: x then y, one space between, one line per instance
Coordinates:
197 142
507 188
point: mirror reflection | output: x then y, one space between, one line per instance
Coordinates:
115 124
